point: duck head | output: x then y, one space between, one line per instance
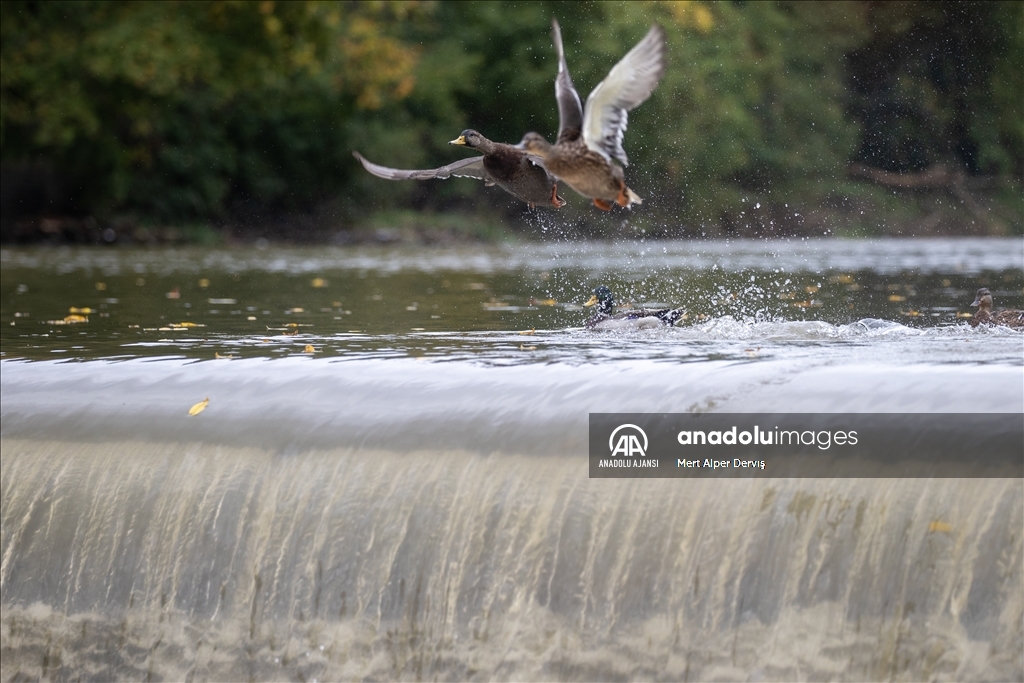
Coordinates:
983 299
535 144
603 299
471 138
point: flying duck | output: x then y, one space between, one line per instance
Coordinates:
589 139
510 167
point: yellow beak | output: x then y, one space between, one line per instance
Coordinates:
592 301
461 140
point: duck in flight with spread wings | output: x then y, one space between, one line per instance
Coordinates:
510 167
590 138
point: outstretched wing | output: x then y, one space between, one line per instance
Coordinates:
626 86
570 109
473 167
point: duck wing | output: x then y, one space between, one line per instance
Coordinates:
627 85
570 108
473 167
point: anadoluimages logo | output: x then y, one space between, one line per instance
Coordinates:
628 444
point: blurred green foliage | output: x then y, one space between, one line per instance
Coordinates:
245 112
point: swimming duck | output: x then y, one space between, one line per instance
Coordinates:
1007 318
510 167
589 139
605 318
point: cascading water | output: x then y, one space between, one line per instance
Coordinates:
414 505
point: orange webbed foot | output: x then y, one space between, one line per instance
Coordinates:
556 201
623 198
602 204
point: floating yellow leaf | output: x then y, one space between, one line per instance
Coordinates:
226 356
527 348
203 283
940 526
897 297
911 313
199 407
69 320
810 289
251 317
965 314
529 332
85 310
318 283
842 279
186 324
309 349
101 286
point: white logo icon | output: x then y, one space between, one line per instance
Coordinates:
628 443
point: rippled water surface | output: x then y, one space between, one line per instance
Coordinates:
389 480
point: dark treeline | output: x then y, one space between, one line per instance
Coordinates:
773 117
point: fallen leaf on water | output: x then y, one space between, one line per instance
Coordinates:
543 302
527 348
186 324
965 315
226 356
85 310
939 526
101 286
911 313
530 331
251 317
318 283
297 309
204 283
199 407
309 349
69 320
173 294
897 297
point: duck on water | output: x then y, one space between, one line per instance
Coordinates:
605 317
985 316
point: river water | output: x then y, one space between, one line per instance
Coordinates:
389 480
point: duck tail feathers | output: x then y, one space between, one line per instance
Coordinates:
672 315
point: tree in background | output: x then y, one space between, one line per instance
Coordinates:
185 109
242 112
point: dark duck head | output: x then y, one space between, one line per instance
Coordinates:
603 299
471 138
